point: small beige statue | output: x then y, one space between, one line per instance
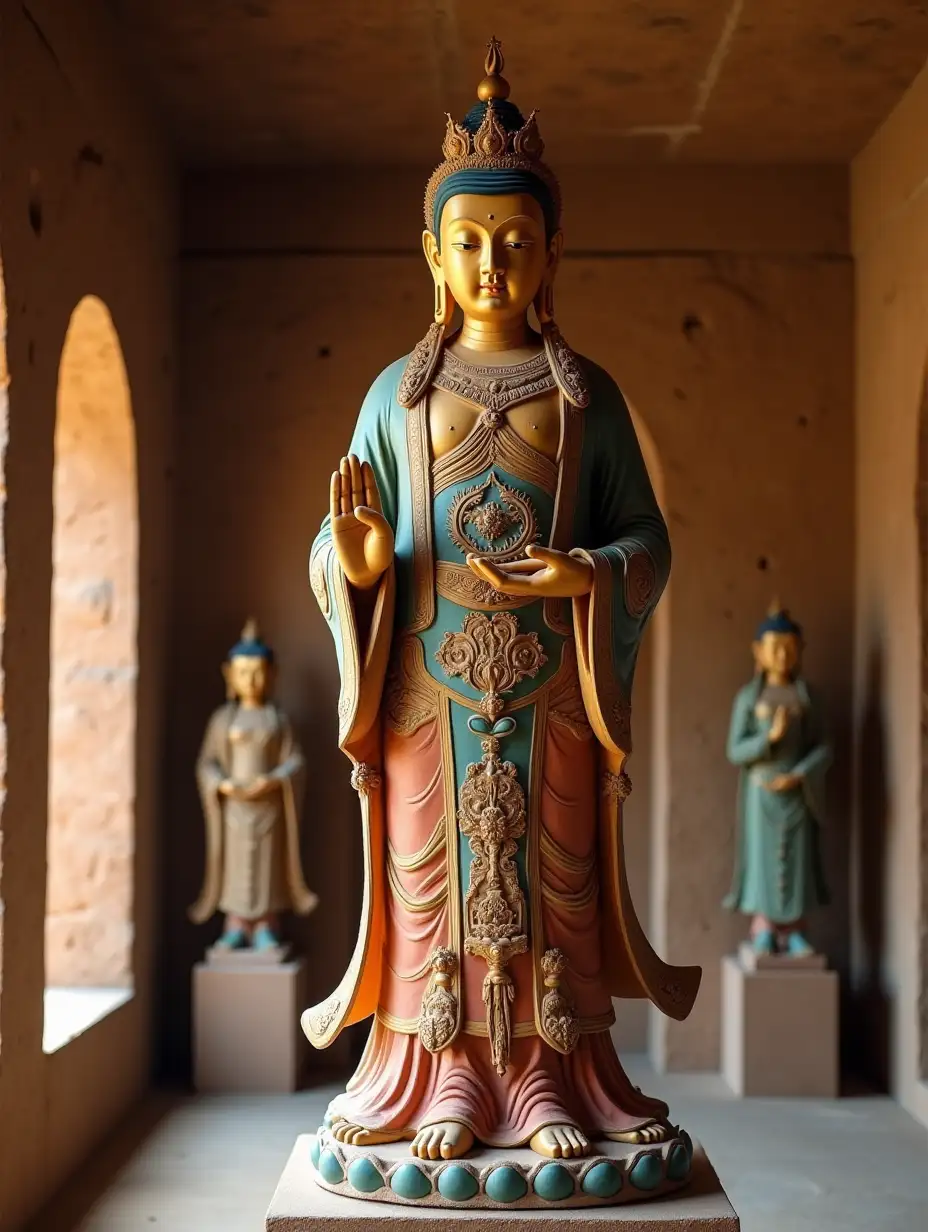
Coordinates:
250 774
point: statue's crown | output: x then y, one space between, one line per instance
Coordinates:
494 135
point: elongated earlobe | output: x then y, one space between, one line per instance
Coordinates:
227 677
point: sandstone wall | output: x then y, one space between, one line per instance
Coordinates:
86 207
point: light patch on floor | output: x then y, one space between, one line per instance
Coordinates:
71 1011
210 1164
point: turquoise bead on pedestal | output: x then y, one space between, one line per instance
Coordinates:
330 1169
603 1180
678 1165
553 1183
506 1184
364 1176
647 1172
457 1184
410 1182
315 1150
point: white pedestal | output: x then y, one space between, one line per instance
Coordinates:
300 1205
780 1029
246 1025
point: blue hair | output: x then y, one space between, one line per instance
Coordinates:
778 622
252 648
486 182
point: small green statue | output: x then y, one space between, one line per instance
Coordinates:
777 739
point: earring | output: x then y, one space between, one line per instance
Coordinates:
444 304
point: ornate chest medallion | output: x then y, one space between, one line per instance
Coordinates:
501 528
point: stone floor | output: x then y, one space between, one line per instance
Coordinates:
210 1164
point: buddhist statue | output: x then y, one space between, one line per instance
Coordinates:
250 775
491 557
777 740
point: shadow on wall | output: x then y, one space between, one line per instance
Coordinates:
866 1032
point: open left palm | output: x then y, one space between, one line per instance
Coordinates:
542 573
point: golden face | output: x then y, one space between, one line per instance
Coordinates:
247 677
778 653
493 253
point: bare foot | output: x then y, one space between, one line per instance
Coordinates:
648 1135
356 1135
560 1142
443 1140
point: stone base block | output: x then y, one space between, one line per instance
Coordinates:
246 1026
780 1030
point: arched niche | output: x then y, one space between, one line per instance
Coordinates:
92 686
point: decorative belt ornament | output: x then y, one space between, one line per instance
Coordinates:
492 655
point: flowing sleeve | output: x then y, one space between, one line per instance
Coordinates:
628 547
290 772
362 638
813 765
746 744
362 634
629 551
211 770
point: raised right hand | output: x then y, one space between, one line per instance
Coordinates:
779 726
361 535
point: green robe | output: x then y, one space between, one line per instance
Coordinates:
778 869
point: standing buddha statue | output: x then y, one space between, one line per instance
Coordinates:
491 557
778 742
250 774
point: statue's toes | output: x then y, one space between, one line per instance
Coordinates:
456 1140
435 1140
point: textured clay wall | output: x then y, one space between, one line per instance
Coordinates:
85 208
890 845
729 325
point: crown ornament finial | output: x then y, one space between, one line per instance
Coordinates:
494 84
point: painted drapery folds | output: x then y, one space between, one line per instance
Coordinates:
489 736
